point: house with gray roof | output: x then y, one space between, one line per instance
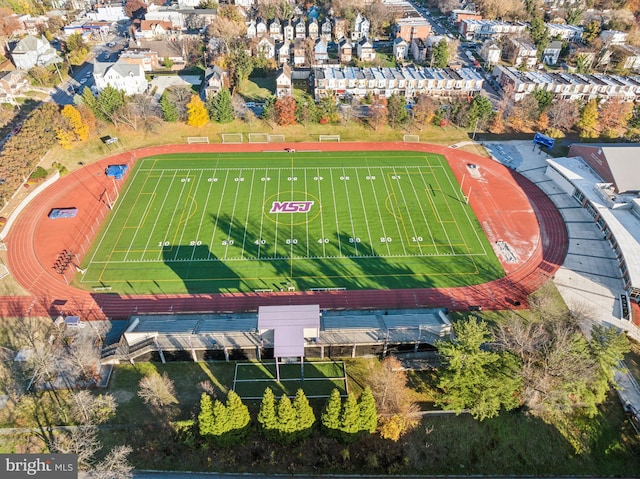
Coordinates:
34 51
121 76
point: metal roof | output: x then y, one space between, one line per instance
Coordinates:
288 324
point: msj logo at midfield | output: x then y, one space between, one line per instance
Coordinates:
291 206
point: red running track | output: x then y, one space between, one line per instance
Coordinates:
508 206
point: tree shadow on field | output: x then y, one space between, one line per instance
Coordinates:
200 271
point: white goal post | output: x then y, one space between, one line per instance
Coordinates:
258 137
198 139
232 138
411 138
329 138
276 138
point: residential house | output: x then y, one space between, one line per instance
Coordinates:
245 3
314 29
152 54
412 27
340 27
313 12
299 54
456 16
284 52
325 29
215 78
284 83
345 49
251 29
400 49
261 28
419 50
361 28
198 18
366 52
626 57
289 31
120 75
275 30
566 86
551 53
519 53
154 29
266 47
166 14
490 52
33 25
563 31
406 82
613 37
12 83
320 55
300 28
481 30
34 51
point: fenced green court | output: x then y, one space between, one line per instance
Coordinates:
317 378
243 222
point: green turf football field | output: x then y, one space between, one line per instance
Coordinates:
205 223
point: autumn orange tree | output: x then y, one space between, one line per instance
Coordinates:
285 111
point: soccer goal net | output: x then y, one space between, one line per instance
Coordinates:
258 137
232 138
197 139
411 138
329 138
276 138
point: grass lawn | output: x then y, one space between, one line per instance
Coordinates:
267 221
258 88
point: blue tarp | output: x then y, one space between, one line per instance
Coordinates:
56 213
117 171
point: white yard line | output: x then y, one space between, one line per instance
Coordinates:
375 196
246 219
215 224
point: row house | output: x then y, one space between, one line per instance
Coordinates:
521 53
329 30
568 86
488 29
561 31
406 82
626 57
613 37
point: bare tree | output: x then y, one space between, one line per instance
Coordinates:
88 409
81 440
226 30
378 113
563 114
114 466
158 391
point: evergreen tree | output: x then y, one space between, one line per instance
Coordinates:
330 417
397 113
305 418
368 412
269 110
220 423
287 422
221 108
440 54
205 417
197 113
476 379
350 416
267 415
238 414
169 109
480 110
